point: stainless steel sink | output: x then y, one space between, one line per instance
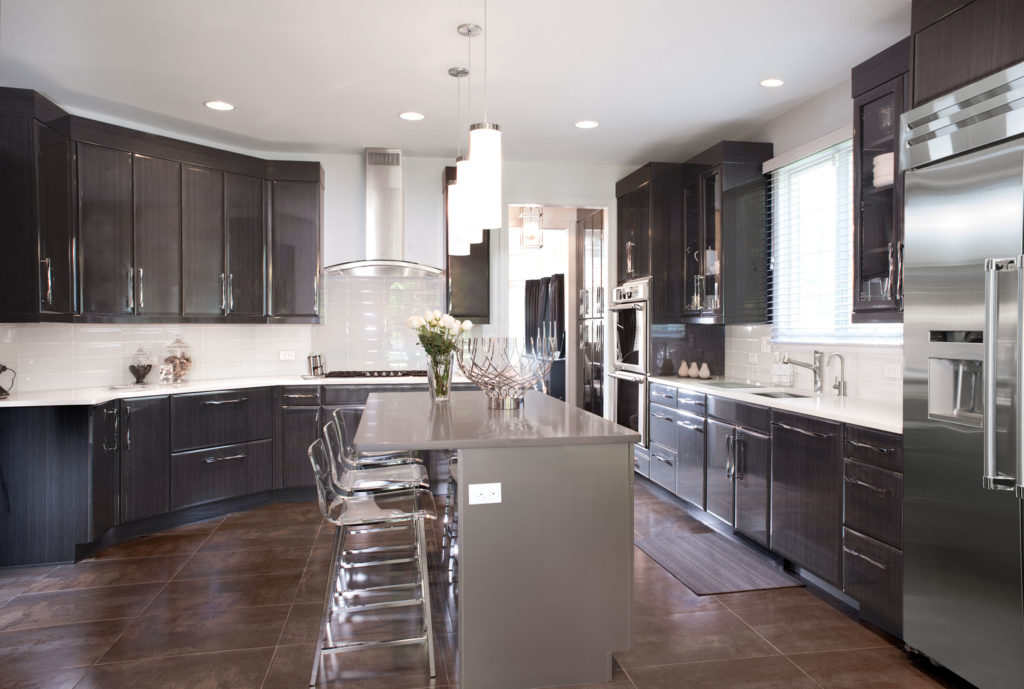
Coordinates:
780 395
728 384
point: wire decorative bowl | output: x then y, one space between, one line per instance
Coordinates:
505 368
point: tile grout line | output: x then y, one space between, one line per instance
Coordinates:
291 606
139 615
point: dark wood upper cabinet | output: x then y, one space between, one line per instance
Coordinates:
156 206
54 220
880 95
956 42
107 275
145 457
295 212
721 260
244 239
204 283
634 211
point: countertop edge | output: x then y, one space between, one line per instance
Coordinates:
866 413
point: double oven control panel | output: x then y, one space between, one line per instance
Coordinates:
632 291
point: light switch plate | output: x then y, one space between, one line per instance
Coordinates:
484 493
286 355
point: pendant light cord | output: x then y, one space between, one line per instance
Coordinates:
487 30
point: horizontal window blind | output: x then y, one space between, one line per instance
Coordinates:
810 283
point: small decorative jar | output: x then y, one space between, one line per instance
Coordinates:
684 369
179 358
704 372
140 365
694 370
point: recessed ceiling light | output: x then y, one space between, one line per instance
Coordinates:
772 83
411 116
586 124
218 105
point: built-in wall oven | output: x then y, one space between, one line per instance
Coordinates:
629 395
631 325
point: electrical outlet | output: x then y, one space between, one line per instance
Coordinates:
484 493
891 371
286 355
751 358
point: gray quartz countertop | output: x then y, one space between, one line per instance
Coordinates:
884 416
411 421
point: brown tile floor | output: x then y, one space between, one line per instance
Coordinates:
234 603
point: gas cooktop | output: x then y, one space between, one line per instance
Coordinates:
392 373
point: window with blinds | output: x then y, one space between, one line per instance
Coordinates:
810 211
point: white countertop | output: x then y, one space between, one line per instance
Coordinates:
396 421
879 415
91 396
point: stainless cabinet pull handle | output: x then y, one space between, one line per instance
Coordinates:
128 427
117 430
862 484
142 294
739 455
692 427
49 279
131 289
231 292
223 295
811 434
212 460
890 286
316 292
730 450
862 556
993 479
660 416
661 459
210 403
899 271
874 448
684 400
663 395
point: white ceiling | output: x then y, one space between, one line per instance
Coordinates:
665 78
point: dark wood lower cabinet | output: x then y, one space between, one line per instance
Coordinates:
216 473
753 469
105 452
806 494
690 451
145 457
300 426
873 574
211 419
719 479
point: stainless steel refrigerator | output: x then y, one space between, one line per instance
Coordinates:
963 379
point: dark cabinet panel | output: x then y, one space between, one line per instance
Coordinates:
105 230
295 248
806 497
19 272
663 466
873 502
662 425
157 209
204 284
145 458
690 452
244 234
54 219
666 245
634 235
873 574
210 419
300 426
720 493
752 468
693 247
106 468
877 448
976 40
641 460
750 416
222 472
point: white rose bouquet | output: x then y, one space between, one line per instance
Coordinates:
439 336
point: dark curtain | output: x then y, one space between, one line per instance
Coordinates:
533 316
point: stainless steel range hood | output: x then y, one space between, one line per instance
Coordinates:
385 222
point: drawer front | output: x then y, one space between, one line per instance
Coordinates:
740 414
339 395
873 502
663 466
301 396
211 419
222 472
662 426
665 395
691 402
873 575
884 450
641 460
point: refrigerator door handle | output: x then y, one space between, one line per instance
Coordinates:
992 478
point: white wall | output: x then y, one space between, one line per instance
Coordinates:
817 116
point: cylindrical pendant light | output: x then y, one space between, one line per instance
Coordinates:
473 232
457 245
485 152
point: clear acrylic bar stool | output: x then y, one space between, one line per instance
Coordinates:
349 478
412 507
365 460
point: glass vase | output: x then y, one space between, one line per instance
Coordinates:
439 376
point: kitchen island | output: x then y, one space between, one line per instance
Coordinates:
545 504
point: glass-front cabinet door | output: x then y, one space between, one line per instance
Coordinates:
634 234
711 258
878 204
